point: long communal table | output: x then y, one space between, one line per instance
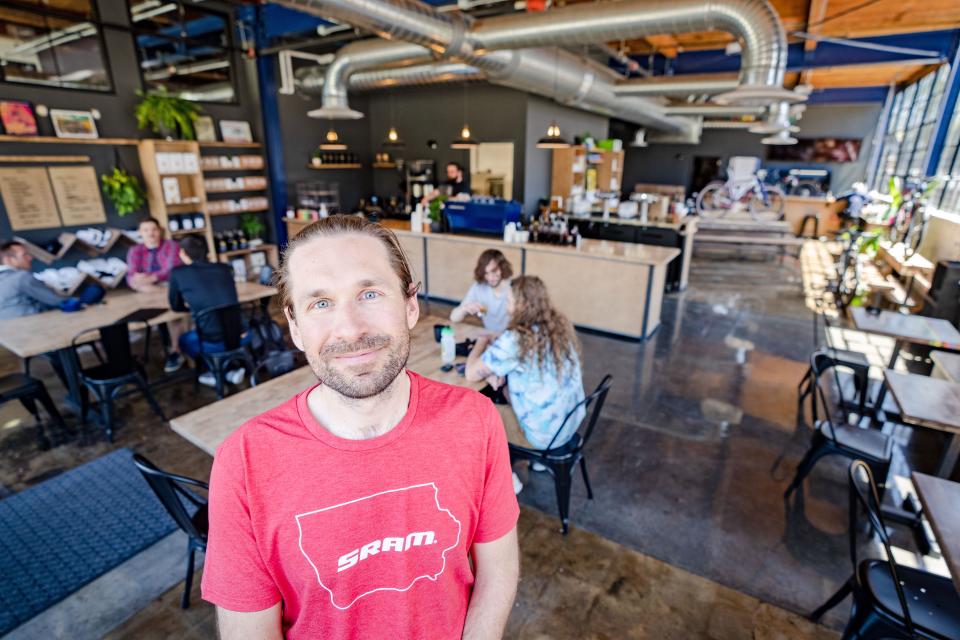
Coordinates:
53 331
209 426
931 403
941 506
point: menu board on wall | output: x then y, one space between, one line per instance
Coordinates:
78 195
28 198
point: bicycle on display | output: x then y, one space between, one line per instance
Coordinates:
763 202
909 212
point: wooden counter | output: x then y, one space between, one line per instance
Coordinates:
615 287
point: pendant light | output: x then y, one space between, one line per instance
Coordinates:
331 141
639 139
553 139
781 138
393 138
465 141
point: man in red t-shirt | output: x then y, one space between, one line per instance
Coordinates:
353 509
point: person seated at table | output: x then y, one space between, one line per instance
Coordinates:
148 264
21 294
538 359
197 285
487 297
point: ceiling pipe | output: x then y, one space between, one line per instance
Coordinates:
713 110
707 84
310 79
754 22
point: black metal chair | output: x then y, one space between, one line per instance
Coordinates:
890 600
29 391
169 488
833 438
229 318
276 364
855 361
119 370
561 461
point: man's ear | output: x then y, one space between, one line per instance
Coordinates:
294 329
413 307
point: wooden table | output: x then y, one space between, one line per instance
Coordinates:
947 365
941 506
931 403
208 426
933 332
53 331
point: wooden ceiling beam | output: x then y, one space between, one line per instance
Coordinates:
815 15
664 44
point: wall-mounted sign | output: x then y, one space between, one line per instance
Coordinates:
78 195
28 198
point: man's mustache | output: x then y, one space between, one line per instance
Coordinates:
366 343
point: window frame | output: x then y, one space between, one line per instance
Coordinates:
228 49
43 10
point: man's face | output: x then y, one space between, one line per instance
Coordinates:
151 235
492 274
18 258
452 172
350 317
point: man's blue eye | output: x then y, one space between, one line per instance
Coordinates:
322 304
370 295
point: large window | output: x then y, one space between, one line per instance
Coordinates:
184 49
53 43
947 195
910 127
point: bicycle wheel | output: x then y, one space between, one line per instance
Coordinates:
766 207
713 201
914 234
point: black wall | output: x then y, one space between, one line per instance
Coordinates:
117 121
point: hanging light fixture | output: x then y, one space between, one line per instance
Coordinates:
465 141
553 139
781 138
331 141
393 138
639 139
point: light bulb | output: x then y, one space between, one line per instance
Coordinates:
465 132
332 136
392 135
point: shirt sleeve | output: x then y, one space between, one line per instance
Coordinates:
169 258
473 294
134 264
502 356
499 509
174 295
35 289
235 576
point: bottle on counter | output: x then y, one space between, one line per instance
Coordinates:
221 243
448 346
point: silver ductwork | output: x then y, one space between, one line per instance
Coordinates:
310 80
753 22
685 85
712 110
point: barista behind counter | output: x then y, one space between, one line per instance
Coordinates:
457 186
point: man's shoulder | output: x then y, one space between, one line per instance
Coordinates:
441 400
264 431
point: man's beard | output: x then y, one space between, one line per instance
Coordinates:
369 384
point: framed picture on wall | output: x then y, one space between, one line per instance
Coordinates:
73 124
18 118
235 131
206 132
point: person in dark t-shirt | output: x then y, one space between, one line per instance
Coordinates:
198 285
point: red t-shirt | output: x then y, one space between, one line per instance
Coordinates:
359 538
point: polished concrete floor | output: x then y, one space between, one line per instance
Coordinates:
682 464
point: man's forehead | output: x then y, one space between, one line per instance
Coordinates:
337 261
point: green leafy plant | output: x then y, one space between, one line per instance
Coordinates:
168 114
252 225
123 191
435 207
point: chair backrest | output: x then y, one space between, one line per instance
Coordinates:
115 340
863 492
597 398
820 362
276 364
230 319
169 488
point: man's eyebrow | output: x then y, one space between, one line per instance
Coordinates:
361 284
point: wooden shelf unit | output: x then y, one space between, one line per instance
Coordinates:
238 212
571 166
230 145
384 165
272 251
56 140
191 185
324 167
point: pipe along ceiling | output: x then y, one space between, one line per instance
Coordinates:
511 50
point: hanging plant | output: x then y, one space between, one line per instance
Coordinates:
123 191
166 114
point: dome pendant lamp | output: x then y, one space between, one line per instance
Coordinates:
465 141
553 139
331 141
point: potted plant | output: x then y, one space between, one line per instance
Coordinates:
123 191
435 213
166 114
252 226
